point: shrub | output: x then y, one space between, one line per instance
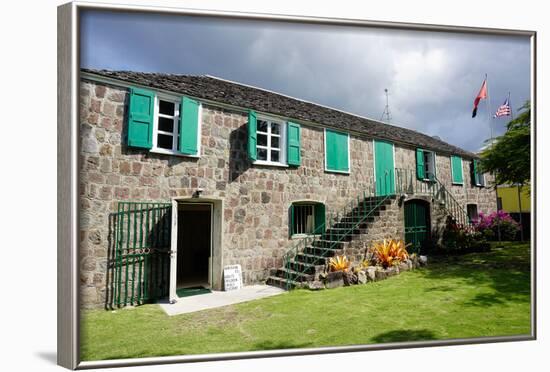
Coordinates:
457 239
339 263
497 224
390 252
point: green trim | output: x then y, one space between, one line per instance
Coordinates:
141 114
384 168
293 144
319 217
252 137
336 151
456 170
291 220
420 168
189 126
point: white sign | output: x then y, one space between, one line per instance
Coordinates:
232 277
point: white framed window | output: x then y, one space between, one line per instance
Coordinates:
429 164
271 142
165 130
166 126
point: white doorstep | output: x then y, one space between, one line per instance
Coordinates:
215 299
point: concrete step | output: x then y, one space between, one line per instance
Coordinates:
281 283
295 276
305 267
310 259
321 252
344 232
355 219
324 243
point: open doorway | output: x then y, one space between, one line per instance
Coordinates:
194 245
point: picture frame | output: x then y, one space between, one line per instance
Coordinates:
68 186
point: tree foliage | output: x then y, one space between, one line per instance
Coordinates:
509 156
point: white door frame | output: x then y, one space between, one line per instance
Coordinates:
216 227
172 296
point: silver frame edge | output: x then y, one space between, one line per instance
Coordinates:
68 78
67 173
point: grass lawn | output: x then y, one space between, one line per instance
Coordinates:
482 294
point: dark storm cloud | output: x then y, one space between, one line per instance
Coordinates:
432 77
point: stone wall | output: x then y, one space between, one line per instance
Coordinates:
256 198
389 224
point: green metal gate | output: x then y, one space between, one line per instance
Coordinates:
140 262
417 224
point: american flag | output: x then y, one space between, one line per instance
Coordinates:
504 110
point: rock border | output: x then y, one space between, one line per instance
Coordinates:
336 279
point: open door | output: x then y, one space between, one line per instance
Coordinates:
191 260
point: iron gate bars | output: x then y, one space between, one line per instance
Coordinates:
141 259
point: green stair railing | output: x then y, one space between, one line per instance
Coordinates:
408 183
358 210
362 207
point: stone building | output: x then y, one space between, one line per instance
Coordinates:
182 175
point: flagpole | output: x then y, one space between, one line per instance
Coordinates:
518 185
510 104
489 106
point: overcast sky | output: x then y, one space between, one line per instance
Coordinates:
432 78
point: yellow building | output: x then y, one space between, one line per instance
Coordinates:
509 200
517 204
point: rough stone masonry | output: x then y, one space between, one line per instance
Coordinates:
256 198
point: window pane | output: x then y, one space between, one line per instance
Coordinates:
274 155
262 154
166 125
262 139
166 107
275 128
164 141
275 142
262 126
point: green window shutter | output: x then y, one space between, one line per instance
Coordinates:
189 126
336 147
319 211
293 144
456 165
141 118
291 220
420 169
474 173
252 138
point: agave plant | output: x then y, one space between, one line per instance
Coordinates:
339 263
362 266
390 252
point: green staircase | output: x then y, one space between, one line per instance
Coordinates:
310 255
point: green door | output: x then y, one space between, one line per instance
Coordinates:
384 168
417 224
